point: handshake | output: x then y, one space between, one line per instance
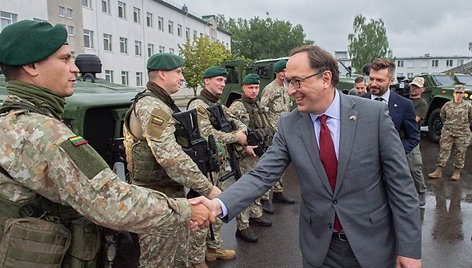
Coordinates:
204 210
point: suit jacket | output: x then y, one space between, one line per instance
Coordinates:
402 112
375 198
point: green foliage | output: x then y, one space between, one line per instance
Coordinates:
262 38
369 41
199 55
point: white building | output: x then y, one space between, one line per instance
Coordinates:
411 66
122 33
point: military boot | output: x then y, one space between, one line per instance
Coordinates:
456 175
436 174
200 265
267 206
261 221
213 254
279 197
247 235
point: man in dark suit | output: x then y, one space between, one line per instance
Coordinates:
359 206
401 109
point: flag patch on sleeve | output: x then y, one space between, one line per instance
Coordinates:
77 141
157 121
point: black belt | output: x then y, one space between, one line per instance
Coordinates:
341 236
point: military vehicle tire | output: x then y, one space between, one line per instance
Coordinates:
435 125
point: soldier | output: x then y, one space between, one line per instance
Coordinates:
214 79
415 161
249 111
456 116
53 184
275 97
157 161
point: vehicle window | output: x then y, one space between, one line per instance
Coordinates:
443 80
263 72
465 79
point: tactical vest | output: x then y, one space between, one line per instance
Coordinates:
207 102
258 119
41 233
142 166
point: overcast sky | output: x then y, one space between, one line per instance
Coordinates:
414 28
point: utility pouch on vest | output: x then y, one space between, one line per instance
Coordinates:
32 242
84 246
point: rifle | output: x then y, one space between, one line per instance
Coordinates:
258 137
220 123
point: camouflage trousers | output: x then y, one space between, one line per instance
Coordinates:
415 162
168 249
253 211
277 188
460 144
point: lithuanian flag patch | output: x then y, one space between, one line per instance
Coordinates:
157 121
77 141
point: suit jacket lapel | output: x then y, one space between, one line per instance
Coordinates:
307 134
349 117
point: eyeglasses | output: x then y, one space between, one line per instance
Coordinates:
295 83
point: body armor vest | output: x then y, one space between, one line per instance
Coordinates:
259 120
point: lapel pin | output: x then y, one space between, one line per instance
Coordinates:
395 105
353 117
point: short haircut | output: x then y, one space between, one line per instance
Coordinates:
380 64
320 59
10 72
359 79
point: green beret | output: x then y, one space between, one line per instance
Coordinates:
280 66
214 71
29 41
251 79
164 62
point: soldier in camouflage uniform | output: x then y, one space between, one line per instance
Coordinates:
456 116
53 184
275 97
214 82
250 112
155 159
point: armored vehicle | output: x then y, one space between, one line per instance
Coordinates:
438 91
237 69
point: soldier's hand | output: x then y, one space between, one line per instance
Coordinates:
242 137
201 215
249 150
213 205
215 191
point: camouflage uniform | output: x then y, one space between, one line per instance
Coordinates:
247 163
276 98
42 159
169 171
201 239
456 118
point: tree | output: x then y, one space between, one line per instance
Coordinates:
199 55
369 41
263 38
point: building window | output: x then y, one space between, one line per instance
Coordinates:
179 30
69 13
171 50
201 35
410 75
460 62
109 75
434 63
124 78
88 38
123 45
449 63
6 19
139 79
171 27
137 48
62 11
162 49
187 32
121 10
136 15
150 49
400 63
87 3
107 42
70 30
399 74
106 6
160 23
194 35
149 21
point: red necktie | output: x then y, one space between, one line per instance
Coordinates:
329 160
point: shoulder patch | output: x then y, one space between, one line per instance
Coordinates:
202 112
158 122
77 141
88 161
